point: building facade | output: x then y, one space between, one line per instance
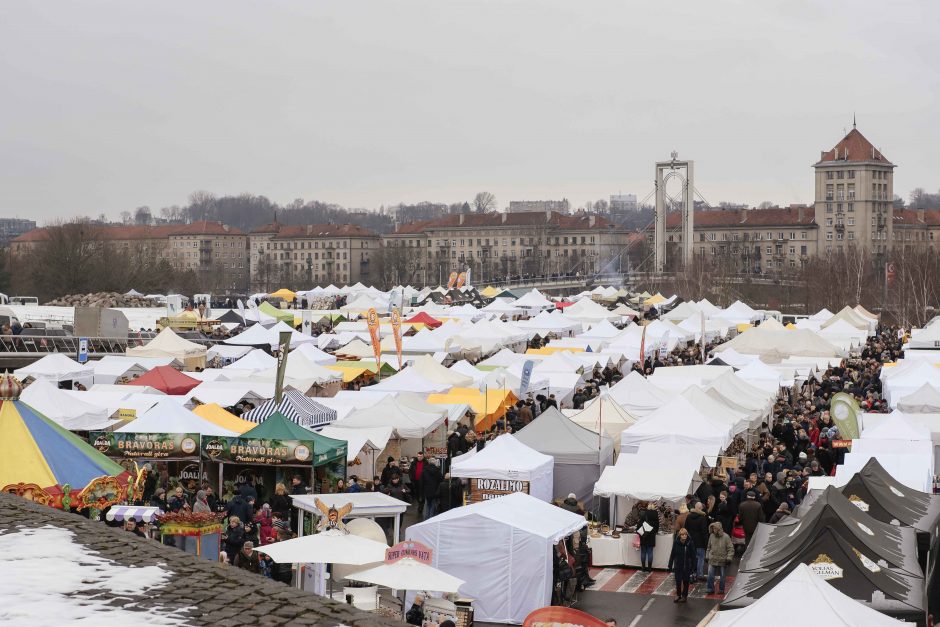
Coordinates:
539 206
853 207
623 203
11 228
311 254
497 246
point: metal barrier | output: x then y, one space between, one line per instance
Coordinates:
25 344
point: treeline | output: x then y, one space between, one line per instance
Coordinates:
73 261
247 211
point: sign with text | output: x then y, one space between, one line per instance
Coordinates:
409 548
268 452
486 489
146 445
82 350
728 462
841 443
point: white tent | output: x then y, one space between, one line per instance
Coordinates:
314 354
430 370
406 422
168 416
741 393
604 413
257 335
57 368
637 395
924 400
502 548
501 307
682 311
761 375
410 380
64 409
586 310
508 458
815 597
169 344
533 300
110 368
643 476
360 442
739 313
928 337
857 320
774 345
256 359
603 331
579 453
678 378
227 353
912 378
719 411
677 422
550 323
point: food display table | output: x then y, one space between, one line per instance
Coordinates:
609 551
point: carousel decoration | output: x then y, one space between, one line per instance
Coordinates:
332 517
45 463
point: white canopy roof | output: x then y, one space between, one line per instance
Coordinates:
410 380
637 395
168 416
256 359
58 368
257 335
680 422
924 400
928 337
896 426
586 310
429 369
646 477
505 458
816 598
718 411
853 318
406 422
358 438
604 413
314 354
778 344
533 300
168 344
65 409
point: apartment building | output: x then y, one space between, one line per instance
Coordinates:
496 245
539 206
215 251
311 254
853 206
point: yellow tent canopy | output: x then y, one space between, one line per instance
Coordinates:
350 373
551 350
215 414
655 299
744 326
488 409
489 291
284 293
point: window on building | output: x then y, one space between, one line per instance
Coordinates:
828 221
840 235
802 234
840 174
792 250
829 235
829 175
802 250
851 234
851 174
770 250
829 191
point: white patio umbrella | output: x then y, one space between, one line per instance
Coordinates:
411 574
328 547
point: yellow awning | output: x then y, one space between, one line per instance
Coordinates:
489 291
284 293
654 299
217 415
551 350
488 409
350 373
743 327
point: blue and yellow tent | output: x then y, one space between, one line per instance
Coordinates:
44 462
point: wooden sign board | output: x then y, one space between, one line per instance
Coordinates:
728 462
486 489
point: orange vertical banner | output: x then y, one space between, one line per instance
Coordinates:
451 280
461 279
372 319
396 331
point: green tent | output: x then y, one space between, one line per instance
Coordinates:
278 427
280 314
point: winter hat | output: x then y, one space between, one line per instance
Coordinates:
802 455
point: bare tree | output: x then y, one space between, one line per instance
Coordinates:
483 202
765 205
126 217
142 215
600 206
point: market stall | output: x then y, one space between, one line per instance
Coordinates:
505 466
502 548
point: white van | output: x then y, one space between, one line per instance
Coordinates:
24 300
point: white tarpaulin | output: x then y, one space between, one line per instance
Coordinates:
508 458
502 549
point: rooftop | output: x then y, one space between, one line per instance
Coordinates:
551 219
854 148
796 216
917 217
200 592
140 232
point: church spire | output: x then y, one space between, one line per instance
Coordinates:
853 120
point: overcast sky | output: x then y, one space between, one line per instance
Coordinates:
109 105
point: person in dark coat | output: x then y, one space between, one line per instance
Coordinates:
649 523
240 507
782 512
683 561
234 536
751 513
281 502
723 512
697 525
247 558
430 484
450 494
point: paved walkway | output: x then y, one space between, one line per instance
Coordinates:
657 582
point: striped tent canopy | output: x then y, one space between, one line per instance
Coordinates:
296 407
46 463
128 512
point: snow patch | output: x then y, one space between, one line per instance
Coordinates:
48 578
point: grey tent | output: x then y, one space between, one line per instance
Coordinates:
864 558
580 454
924 400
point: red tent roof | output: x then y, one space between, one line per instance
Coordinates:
167 379
563 304
425 319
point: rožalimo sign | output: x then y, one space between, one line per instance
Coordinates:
486 489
